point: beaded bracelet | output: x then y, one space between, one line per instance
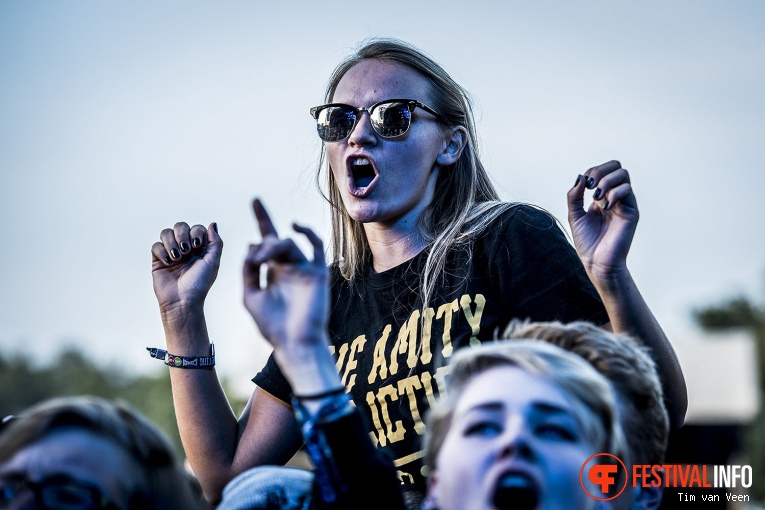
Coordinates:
173 360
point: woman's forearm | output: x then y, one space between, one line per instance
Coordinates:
629 314
207 425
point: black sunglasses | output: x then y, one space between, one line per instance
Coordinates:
390 118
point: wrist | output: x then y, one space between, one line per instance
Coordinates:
309 369
181 310
186 330
609 280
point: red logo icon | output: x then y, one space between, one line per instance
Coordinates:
603 472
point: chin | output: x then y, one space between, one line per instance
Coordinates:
363 211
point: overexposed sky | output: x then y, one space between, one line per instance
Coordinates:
119 118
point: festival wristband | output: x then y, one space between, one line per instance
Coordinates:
173 360
327 478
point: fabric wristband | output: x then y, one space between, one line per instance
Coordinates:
327 478
173 360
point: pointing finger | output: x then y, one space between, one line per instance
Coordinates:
264 220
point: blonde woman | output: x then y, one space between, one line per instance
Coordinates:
425 259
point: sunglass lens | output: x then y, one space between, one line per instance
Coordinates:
391 119
335 123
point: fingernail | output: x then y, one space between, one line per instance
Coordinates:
215 227
596 195
174 254
590 182
196 243
605 205
184 247
578 178
167 260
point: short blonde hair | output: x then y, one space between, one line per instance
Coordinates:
166 485
629 368
590 393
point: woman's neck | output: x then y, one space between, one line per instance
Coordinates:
392 246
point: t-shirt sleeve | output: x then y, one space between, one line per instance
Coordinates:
537 273
271 379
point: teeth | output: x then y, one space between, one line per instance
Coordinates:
515 481
360 161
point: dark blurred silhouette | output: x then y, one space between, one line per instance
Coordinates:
23 384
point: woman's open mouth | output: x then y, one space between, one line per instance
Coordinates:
362 176
515 490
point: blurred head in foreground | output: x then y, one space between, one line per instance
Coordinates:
632 374
519 421
84 453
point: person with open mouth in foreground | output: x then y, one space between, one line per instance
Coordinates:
519 420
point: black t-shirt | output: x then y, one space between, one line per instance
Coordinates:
521 266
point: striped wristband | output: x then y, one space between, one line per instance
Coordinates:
173 360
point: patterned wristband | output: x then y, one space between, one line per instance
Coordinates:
173 360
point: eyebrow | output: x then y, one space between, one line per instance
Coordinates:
537 405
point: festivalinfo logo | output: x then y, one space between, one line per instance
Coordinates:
605 476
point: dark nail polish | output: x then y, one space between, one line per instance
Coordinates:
215 226
196 243
174 254
167 259
184 247
578 178
590 182
597 194
605 205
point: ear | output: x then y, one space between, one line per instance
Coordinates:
453 145
646 498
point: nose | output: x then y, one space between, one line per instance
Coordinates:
514 441
363 133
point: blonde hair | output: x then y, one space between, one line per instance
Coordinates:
629 368
590 393
165 486
465 202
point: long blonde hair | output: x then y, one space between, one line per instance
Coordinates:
465 202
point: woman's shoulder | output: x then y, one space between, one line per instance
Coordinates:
518 219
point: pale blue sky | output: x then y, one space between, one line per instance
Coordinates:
118 119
